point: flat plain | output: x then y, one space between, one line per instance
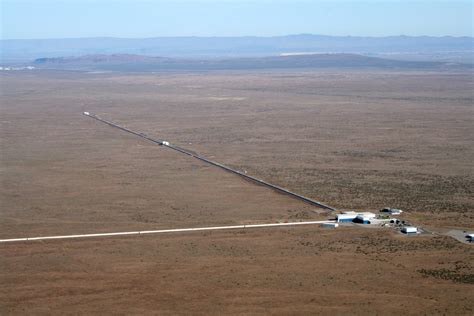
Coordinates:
356 140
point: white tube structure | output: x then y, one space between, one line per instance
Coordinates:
164 231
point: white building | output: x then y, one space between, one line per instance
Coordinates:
365 218
350 216
346 218
409 230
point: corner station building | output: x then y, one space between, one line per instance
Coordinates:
360 217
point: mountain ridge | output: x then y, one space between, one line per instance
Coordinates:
139 63
247 46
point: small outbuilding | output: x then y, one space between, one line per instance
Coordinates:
410 230
391 211
330 225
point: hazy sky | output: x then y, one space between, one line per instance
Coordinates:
147 18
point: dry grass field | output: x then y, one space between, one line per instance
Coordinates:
354 140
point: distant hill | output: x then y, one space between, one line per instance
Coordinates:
100 59
138 63
209 47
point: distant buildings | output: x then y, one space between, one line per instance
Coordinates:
16 68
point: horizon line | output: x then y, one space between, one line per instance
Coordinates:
239 36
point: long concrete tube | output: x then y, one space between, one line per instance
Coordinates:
214 163
164 231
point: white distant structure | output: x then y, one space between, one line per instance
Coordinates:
410 230
300 54
86 113
330 225
165 143
17 68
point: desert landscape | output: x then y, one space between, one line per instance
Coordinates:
359 139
